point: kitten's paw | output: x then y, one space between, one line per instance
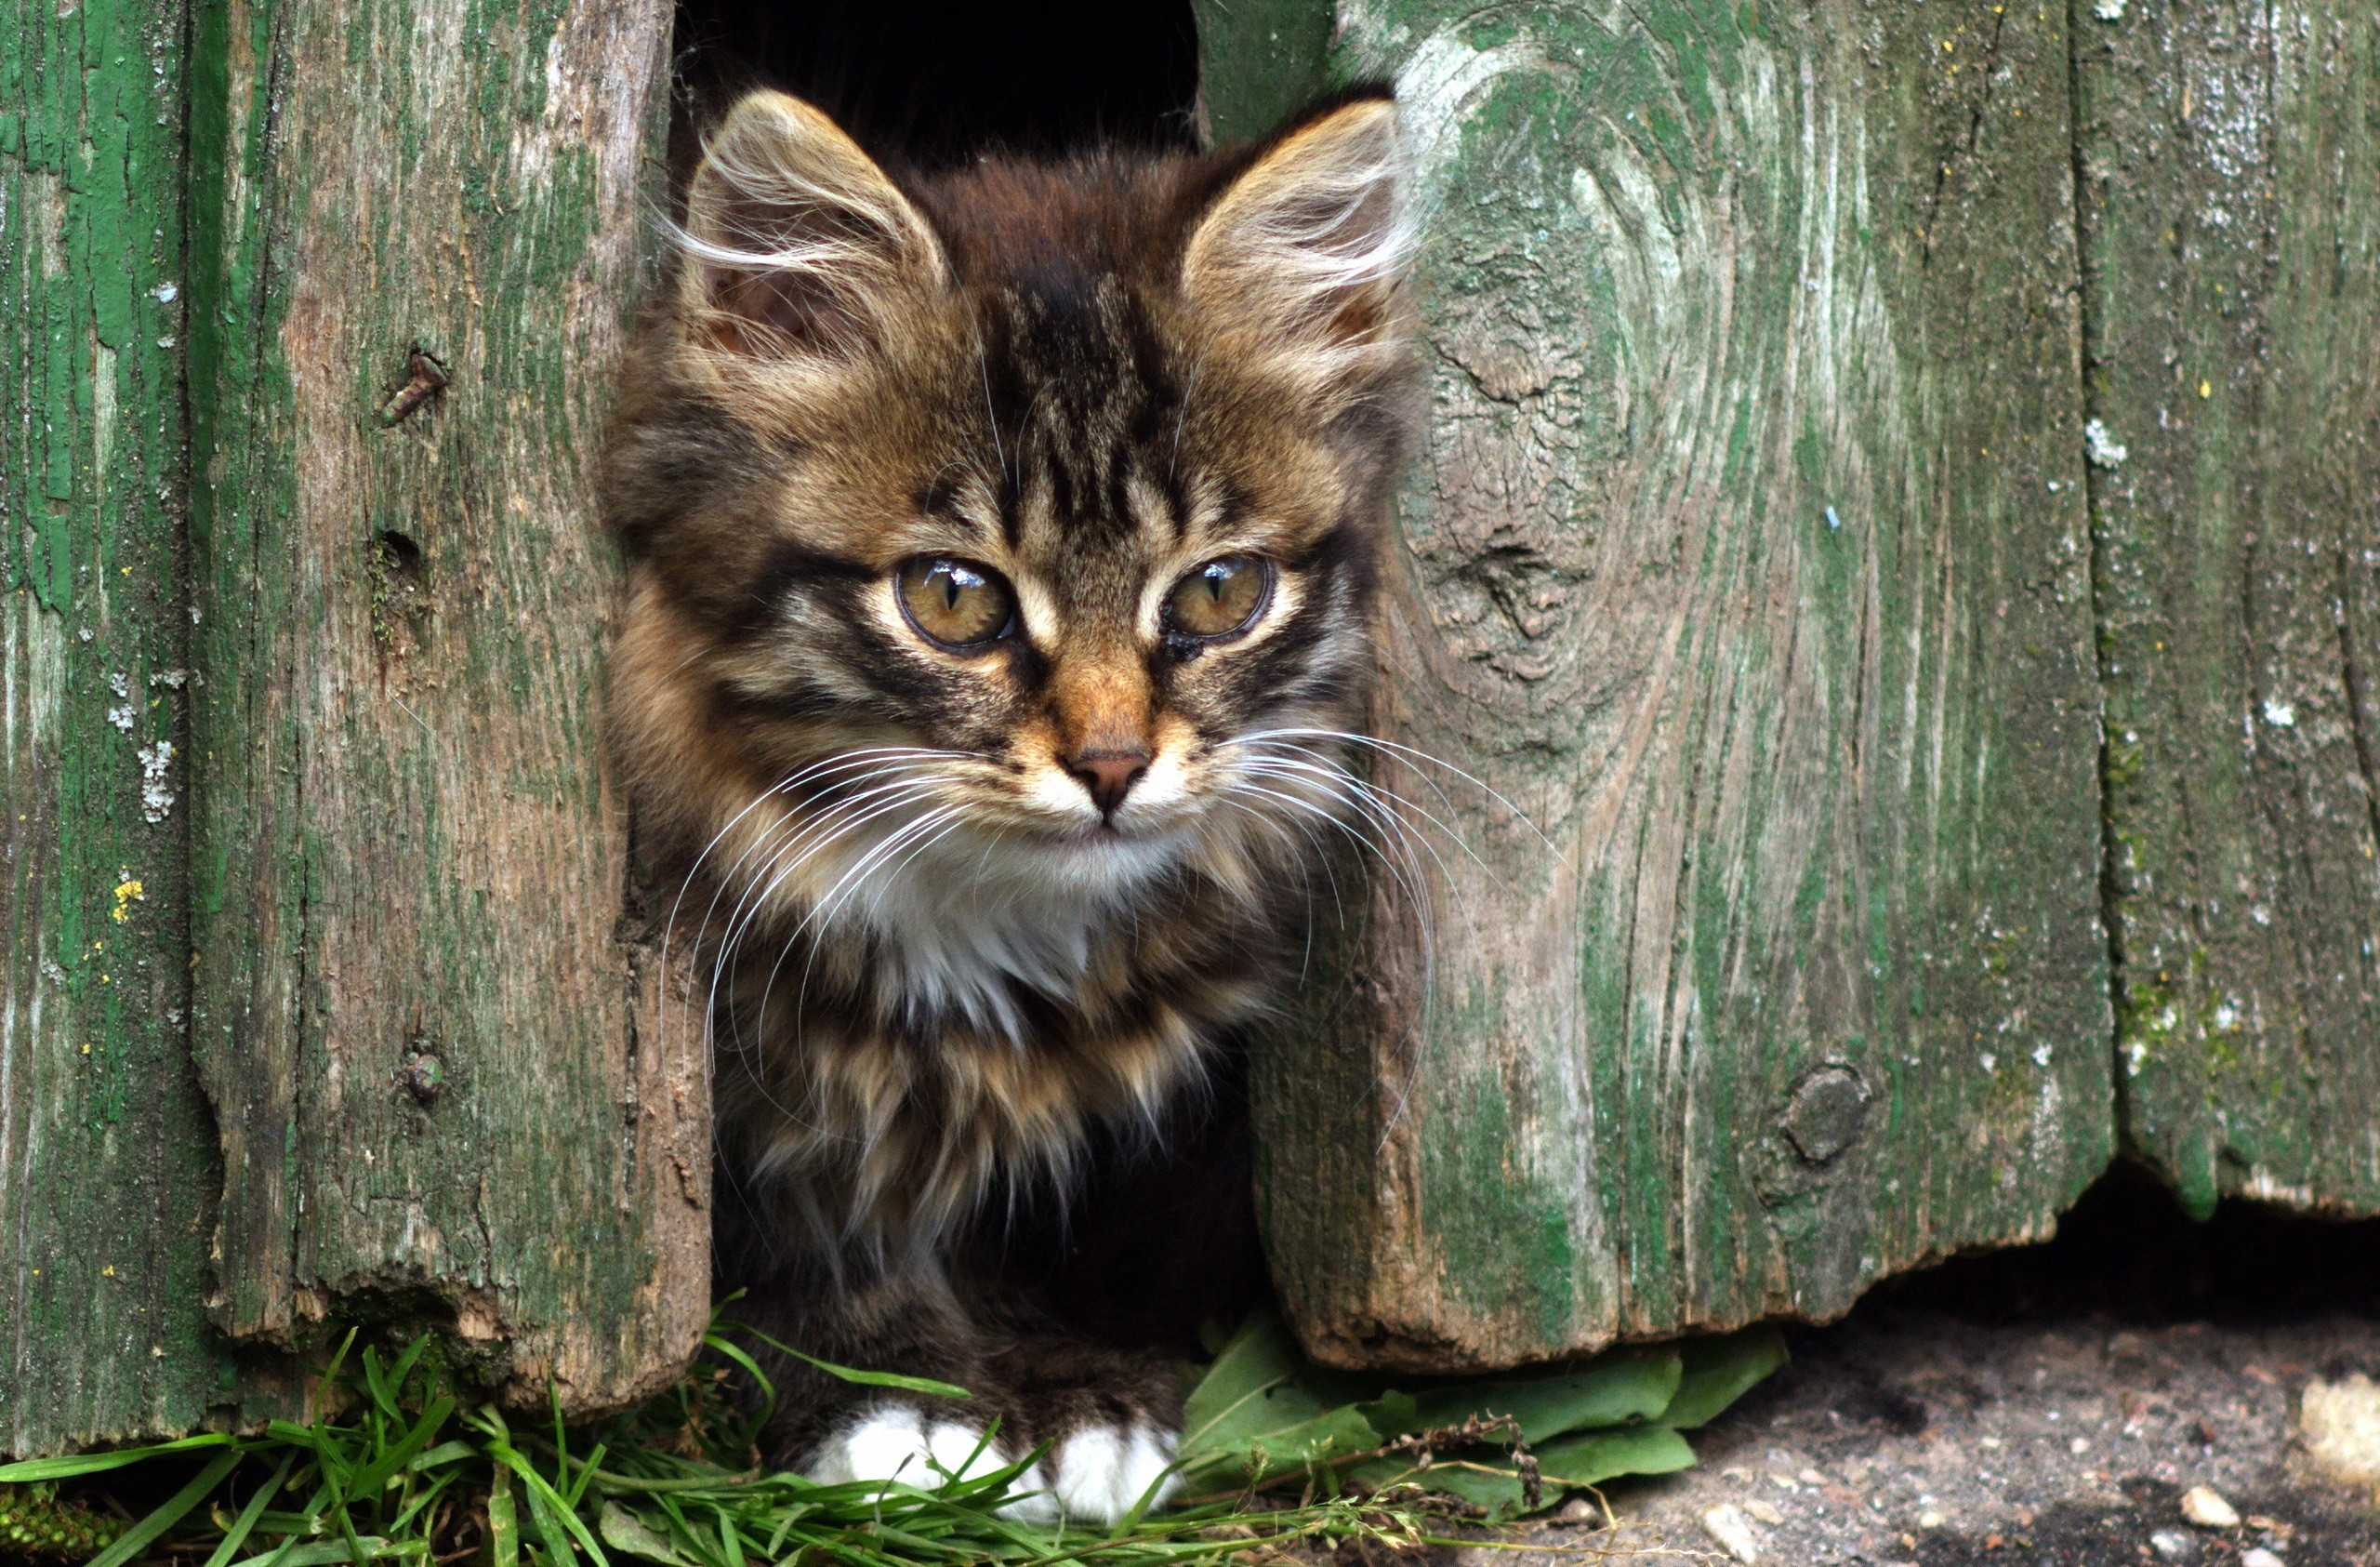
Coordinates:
1096 1475
897 1442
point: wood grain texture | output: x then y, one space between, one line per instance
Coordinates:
2231 214
417 1015
106 1156
1749 558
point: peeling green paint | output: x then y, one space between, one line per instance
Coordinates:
106 1152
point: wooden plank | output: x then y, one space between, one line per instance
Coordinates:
2231 214
416 1015
1749 558
106 1156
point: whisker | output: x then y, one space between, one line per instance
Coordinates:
858 813
822 913
1412 756
839 761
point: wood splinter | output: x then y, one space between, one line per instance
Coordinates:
429 379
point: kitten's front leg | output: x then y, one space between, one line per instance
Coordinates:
1111 1419
1107 1418
903 1319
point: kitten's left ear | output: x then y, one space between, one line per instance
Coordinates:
1302 255
799 248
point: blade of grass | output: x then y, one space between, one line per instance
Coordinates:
327 1553
237 1534
138 1538
68 1467
369 1481
503 1524
545 1500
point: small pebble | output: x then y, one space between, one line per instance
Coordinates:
1727 1527
2257 1556
1763 1512
2205 1506
2172 1544
1932 1517
1578 1511
2341 1423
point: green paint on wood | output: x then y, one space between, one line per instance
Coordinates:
418 1019
106 1155
2231 202
1259 60
1750 558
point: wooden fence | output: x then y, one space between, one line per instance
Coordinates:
1901 525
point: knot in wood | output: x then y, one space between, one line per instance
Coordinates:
424 1076
1825 1113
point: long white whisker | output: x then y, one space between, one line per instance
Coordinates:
839 761
901 793
1412 756
824 910
1423 926
1390 800
1369 796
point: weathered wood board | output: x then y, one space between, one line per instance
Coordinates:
415 1012
106 1155
2230 208
1749 558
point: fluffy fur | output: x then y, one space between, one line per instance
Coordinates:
987 920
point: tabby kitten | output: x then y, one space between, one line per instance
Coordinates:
1000 545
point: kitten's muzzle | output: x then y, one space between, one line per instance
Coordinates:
1109 773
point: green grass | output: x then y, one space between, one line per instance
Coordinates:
400 1466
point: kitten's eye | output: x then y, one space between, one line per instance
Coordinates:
956 604
1220 597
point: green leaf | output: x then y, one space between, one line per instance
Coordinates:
1254 1391
1483 1477
1611 1390
1601 1455
1333 1435
1488 1476
1719 1371
623 1531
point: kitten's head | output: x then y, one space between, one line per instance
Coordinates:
1032 497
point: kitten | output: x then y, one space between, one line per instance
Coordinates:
1001 549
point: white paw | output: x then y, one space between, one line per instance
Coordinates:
1097 1475
893 1442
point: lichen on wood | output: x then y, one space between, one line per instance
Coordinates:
2230 208
1749 560
417 1018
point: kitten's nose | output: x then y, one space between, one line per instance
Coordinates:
1108 774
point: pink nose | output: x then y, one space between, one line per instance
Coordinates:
1108 774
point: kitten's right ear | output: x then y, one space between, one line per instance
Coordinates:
797 243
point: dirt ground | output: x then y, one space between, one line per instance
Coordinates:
2045 1408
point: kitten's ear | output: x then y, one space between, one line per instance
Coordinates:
1302 256
797 243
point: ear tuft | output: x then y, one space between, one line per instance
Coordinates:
1303 256
798 244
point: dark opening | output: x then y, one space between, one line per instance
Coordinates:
931 82
2127 1251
